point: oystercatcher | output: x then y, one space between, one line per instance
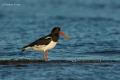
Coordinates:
45 43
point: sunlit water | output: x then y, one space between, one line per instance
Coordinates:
94 27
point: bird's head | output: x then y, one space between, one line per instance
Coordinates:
57 31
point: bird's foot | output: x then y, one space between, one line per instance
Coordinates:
46 59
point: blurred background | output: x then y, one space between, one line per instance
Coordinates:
94 27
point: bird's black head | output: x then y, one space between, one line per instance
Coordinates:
55 30
55 33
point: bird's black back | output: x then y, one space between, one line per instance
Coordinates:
41 41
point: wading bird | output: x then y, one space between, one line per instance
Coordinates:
46 43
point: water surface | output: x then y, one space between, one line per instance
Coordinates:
94 27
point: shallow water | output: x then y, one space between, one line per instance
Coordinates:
61 72
94 27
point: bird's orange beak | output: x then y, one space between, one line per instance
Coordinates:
61 33
66 37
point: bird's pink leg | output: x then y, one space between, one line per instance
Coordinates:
46 55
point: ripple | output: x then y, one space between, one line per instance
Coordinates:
22 60
60 17
110 52
2 16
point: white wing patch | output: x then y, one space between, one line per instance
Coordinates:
27 48
48 37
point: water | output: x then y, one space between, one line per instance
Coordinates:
61 72
94 27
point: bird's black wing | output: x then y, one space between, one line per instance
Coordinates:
42 41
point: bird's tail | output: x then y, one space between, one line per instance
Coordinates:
25 48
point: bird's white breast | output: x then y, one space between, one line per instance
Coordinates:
51 45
